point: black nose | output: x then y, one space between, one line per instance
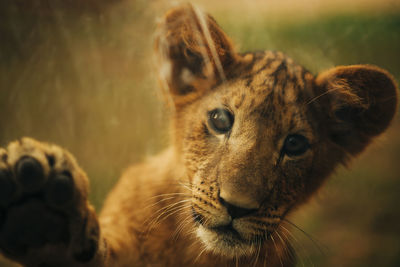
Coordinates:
234 211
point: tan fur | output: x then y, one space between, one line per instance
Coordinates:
171 210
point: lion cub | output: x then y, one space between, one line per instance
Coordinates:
254 136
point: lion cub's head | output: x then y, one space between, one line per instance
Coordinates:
258 133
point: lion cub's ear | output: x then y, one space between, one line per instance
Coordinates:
360 104
194 54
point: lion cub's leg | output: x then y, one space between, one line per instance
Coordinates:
45 218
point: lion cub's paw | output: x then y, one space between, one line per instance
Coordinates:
44 213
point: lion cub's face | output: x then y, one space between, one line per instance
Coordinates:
256 132
249 146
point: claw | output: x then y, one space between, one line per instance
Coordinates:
30 174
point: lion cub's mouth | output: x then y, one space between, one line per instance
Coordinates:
225 239
227 230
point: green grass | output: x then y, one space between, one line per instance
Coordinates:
328 41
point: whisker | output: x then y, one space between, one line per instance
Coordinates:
168 213
165 208
186 186
236 260
187 220
324 93
162 211
172 206
288 252
158 202
316 244
201 252
258 241
276 249
174 211
296 255
170 194
265 258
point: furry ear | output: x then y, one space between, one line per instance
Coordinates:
194 54
360 103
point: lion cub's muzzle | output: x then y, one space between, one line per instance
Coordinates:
227 220
225 226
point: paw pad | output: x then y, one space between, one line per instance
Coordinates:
59 189
30 174
32 225
43 204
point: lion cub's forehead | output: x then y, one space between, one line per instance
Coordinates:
272 83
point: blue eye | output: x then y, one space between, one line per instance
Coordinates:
220 120
295 145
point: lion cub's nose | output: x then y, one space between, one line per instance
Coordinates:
234 211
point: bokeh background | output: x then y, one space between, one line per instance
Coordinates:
80 73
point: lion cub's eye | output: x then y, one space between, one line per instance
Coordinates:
295 145
220 120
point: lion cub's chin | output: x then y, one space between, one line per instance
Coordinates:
228 244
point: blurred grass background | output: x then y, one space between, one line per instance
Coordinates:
81 74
